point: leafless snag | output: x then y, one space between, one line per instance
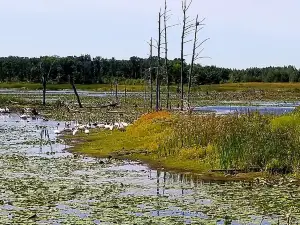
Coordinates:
159 45
150 72
45 77
145 87
125 93
157 106
116 91
74 87
75 91
187 28
166 54
195 55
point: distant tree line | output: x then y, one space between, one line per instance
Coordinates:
87 70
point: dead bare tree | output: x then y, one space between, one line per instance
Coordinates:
157 106
161 33
45 77
125 93
165 34
150 72
195 55
166 53
116 90
74 87
187 28
145 87
75 92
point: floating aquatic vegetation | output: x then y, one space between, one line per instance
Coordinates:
42 184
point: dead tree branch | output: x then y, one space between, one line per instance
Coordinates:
186 29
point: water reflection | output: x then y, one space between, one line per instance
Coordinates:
198 199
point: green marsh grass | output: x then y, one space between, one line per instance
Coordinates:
200 143
138 85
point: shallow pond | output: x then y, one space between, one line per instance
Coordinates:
41 183
263 109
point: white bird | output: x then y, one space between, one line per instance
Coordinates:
106 126
5 110
121 127
24 116
86 131
101 125
81 127
75 131
57 131
124 124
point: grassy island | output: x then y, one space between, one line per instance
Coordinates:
252 144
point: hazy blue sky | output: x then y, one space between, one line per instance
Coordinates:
244 33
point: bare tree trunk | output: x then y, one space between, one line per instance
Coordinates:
77 96
157 95
158 64
193 60
44 81
116 91
125 94
195 55
145 89
111 87
150 71
75 91
166 55
44 90
181 60
185 30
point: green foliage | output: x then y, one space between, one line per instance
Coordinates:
88 70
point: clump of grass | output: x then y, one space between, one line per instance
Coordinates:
237 141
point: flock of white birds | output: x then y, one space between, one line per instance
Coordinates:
28 113
79 127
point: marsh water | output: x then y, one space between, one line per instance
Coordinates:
225 109
42 183
221 107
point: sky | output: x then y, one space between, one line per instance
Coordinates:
243 33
